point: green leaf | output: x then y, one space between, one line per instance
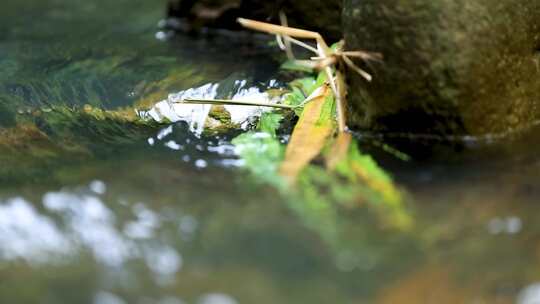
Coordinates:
269 122
262 154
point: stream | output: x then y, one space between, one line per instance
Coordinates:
166 216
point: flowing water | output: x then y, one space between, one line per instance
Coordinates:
103 212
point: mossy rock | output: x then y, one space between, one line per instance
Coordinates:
450 67
316 15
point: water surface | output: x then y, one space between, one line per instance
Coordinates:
106 213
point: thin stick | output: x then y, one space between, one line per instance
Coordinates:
363 55
341 86
358 70
283 31
322 50
340 99
340 112
321 63
234 102
278 29
301 44
281 44
310 64
288 48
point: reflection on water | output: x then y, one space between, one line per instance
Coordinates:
192 148
530 294
157 226
26 234
87 224
165 231
509 225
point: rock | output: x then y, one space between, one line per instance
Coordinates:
321 16
450 67
316 15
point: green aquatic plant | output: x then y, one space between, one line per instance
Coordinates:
350 177
318 193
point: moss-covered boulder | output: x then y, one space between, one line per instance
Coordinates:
450 67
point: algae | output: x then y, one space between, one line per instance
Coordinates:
43 141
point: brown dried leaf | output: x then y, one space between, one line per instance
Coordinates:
309 136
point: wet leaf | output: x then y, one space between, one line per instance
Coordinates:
310 134
269 123
261 153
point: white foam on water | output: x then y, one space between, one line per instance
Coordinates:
242 114
194 114
172 109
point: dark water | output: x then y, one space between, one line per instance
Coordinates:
91 212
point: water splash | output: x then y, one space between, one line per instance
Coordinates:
194 114
242 114
173 110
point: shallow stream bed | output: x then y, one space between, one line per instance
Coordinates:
168 217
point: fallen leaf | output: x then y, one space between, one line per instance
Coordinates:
315 125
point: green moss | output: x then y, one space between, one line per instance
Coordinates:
220 114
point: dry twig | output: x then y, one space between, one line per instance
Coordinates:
326 58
